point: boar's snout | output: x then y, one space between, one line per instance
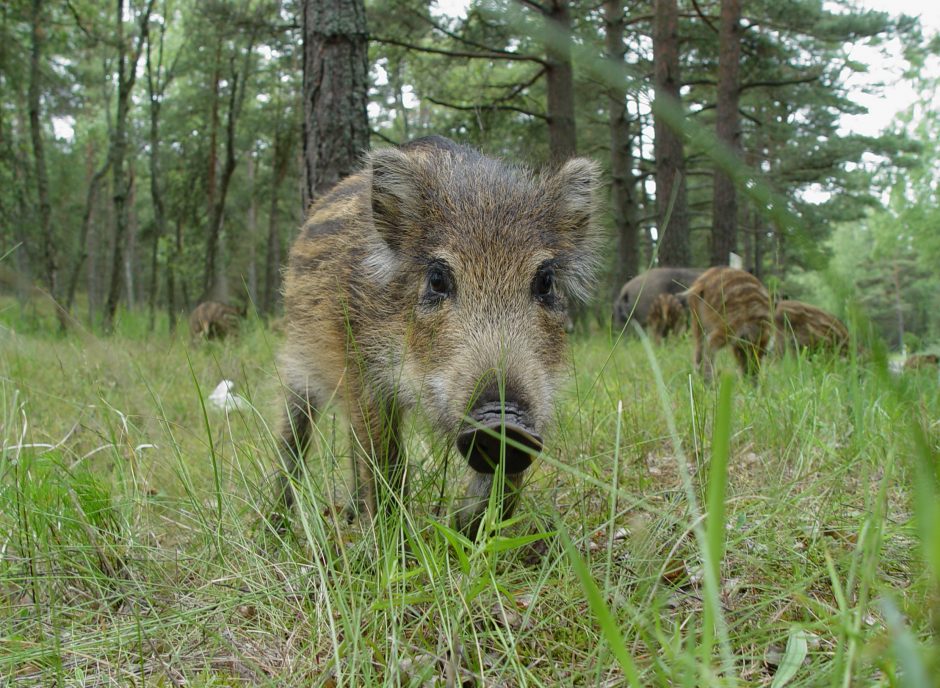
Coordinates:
481 444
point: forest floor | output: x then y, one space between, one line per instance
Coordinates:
134 550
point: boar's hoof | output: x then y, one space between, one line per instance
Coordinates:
482 445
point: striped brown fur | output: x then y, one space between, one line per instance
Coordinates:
442 277
921 361
729 307
666 316
802 326
213 320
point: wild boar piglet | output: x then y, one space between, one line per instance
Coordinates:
436 277
667 316
729 307
213 320
802 326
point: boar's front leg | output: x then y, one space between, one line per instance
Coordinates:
472 507
378 456
293 439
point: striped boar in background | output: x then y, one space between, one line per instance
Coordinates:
802 326
667 316
729 307
921 361
442 277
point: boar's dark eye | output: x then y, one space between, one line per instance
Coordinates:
543 286
439 282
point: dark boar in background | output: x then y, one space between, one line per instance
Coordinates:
667 316
214 320
729 307
802 326
441 277
637 295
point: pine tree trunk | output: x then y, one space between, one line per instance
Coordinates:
728 130
623 184
212 173
335 92
214 277
272 272
171 263
91 196
156 86
47 242
126 77
671 197
130 255
252 230
559 75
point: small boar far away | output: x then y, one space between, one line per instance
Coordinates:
802 326
921 362
441 277
636 296
214 320
667 316
729 307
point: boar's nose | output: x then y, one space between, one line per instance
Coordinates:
482 444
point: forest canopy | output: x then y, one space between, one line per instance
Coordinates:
152 152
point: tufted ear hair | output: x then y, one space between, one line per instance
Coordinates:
396 196
573 189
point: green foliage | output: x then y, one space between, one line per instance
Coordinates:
136 543
889 257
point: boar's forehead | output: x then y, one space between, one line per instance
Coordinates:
490 206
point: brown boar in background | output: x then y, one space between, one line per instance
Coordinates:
637 296
729 307
666 316
921 361
802 326
213 320
441 277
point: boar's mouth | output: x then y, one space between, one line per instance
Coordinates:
482 444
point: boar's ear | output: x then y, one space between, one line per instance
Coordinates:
574 190
395 195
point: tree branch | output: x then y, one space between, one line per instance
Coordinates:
519 88
698 11
457 37
534 5
458 53
490 106
785 82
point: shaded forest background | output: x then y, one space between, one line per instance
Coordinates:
155 153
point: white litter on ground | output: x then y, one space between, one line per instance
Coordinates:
224 399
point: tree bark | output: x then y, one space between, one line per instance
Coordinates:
335 92
671 197
126 77
252 229
623 194
279 165
559 75
171 263
130 254
47 242
214 285
157 82
90 198
728 129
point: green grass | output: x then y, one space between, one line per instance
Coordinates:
769 534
